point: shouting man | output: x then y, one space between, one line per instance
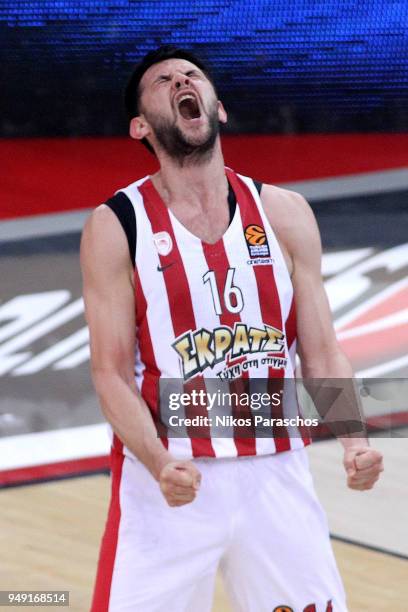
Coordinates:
193 274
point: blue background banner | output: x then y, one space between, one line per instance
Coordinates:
283 66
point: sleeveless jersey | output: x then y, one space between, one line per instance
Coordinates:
207 313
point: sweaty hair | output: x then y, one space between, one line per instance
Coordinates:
133 90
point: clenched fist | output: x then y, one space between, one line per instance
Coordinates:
179 482
363 466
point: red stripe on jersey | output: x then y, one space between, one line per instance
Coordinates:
290 330
103 582
269 300
151 374
290 325
217 260
117 444
181 307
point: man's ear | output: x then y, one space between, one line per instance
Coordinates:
139 128
222 113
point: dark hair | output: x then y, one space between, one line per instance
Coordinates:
165 52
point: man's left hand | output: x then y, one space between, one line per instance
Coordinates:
363 467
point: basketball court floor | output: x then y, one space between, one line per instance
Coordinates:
53 442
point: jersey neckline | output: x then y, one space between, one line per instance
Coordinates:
225 236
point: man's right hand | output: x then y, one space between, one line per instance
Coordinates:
179 482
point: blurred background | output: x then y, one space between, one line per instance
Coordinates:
281 67
317 99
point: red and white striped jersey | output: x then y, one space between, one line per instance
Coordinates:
210 312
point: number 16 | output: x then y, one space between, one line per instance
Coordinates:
229 291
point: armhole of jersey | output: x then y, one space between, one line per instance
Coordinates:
258 186
123 209
232 202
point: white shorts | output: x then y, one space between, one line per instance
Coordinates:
256 519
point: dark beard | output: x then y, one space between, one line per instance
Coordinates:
176 145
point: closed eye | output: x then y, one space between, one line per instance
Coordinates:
163 78
193 73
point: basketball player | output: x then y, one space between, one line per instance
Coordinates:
193 274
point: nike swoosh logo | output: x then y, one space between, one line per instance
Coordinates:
163 268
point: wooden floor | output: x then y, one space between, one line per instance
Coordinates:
50 535
377 517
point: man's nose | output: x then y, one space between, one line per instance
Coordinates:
181 80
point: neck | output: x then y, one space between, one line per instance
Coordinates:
199 184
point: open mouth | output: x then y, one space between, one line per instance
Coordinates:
188 107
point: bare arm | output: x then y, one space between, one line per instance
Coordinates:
320 353
110 312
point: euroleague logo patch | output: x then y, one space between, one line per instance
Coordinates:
257 244
255 235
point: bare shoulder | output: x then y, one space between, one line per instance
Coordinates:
101 222
292 219
103 243
286 209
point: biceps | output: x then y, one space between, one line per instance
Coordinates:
108 294
111 319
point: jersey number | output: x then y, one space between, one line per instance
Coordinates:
233 299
